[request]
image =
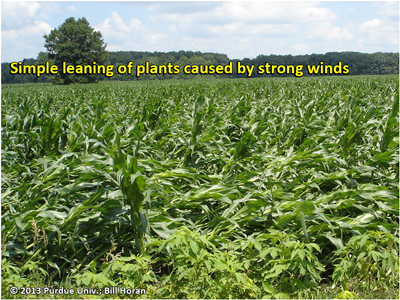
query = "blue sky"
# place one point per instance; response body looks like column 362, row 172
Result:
column 237, row 28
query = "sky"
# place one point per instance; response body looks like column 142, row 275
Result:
column 237, row 28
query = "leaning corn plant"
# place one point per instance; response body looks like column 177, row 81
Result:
column 132, row 184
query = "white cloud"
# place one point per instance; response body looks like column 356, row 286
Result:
column 114, row 48
column 389, row 8
column 370, row 25
column 243, row 25
column 251, row 11
column 23, row 27
column 234, row 26
column 181, row 7
column 243, row 29
column 300, row 48
column 326, row 31
column 16, row 14
column 38, row 28
column 132, row 36
column 72, row 8
column 172, row 29
column 380, row 31
column 26, row 41
column 360, row 42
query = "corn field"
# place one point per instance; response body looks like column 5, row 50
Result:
column 253, row 188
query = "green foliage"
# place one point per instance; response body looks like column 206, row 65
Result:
column 347, row 295
column 196, row 264
column 371, row 257
column 131, row 272
column 132, row 184
column 287, row 263
column 275, row 188
column 75, row 43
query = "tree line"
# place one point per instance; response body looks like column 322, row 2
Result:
column 76, row 43
column 359, row 64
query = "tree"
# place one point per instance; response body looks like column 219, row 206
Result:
column 75, row 43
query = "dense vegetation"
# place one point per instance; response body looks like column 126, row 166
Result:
column 359, row 64
column 242, row 188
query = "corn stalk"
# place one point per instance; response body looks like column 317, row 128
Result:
column 132, row 184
